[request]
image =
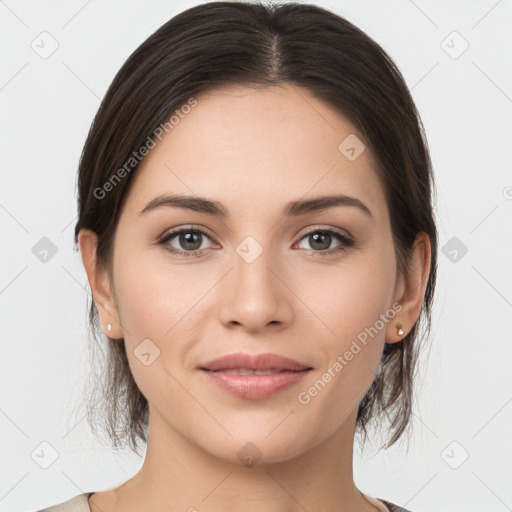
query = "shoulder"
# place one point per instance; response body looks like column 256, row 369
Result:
column 79, row 503
column 392, row 507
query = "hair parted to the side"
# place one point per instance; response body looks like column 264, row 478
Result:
column 250, row 44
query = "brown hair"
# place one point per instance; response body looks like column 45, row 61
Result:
column 250, row 44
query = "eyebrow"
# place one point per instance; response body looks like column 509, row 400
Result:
column 291, row 209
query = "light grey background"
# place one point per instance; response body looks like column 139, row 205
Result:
column 465, row 101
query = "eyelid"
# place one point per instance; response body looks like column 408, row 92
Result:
column 339, row 231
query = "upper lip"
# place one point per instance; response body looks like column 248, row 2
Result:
column 254, row 362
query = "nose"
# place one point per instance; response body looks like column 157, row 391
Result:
column 255, row 295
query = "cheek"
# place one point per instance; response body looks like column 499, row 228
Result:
column 154, row 295
column 348, row 299
column 352, row 302
column 155, row 309
column 163, row 303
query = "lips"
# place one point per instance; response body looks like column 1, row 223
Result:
column 255, row 363
column 254, row 377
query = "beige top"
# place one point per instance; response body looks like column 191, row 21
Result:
column 80, row 503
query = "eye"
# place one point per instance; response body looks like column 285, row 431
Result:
column 189, row 241
column 320, row 240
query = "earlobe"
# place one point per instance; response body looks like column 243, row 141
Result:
column 100, row 285
column 412, row 290
column 395, row 331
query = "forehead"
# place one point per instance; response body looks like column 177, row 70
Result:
column 246, row 147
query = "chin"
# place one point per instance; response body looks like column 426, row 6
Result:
column 256, row 450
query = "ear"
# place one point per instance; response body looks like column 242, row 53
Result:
column 100, row 285
column 410, row 292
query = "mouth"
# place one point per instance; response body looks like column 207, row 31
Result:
column 248, row 371
column 255, row 384
column 254, row 377
column 270, row 363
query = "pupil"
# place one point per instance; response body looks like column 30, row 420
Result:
column 187, row 240
column 322, row 237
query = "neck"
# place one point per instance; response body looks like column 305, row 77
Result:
column 178, row 475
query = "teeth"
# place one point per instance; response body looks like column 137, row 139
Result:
column 246, row 371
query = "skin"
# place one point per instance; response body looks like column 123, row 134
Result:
column 252, row 150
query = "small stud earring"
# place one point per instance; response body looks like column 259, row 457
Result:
column 400, row 330
column 109, row 327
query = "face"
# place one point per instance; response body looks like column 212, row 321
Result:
column 314, row 285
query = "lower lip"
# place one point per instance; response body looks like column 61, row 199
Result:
column 255, row 387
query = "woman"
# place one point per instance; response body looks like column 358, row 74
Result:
column 256, row 225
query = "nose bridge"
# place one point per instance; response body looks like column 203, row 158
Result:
column 256, row 297
column 251, row 265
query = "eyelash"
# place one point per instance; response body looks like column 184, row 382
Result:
column 345, row 242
